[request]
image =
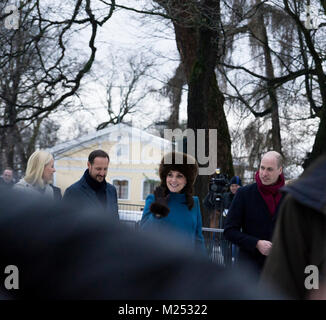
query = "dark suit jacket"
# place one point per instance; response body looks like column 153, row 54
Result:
column 248, row 221
column 81, row 192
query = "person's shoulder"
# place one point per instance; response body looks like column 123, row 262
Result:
column 248, row 188
column 110, row 186
column 21, row 184
column 75, row 186
column 150, row 197
column 54, row 187
column 25, row 187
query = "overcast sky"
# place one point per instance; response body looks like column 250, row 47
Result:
column 124, row 35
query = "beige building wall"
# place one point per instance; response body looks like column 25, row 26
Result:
column 130, row 159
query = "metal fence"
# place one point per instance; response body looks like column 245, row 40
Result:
column 130, row 214
column 219, row 250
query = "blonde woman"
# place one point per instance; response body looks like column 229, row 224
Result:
column 39, row 176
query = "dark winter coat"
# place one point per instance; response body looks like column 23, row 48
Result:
column 248, row 221
column 5, row 184
column 300, row 234
column 56, row 193
column 81, row 192
column 227, row 199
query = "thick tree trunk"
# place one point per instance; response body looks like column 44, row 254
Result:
column 205, row 109
column 175, row 86
column 198, row 47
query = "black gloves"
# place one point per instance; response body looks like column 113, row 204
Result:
column 160, row 208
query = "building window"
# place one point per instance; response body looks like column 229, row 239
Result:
column 122, row 150
column 122, row 187
column 148, row 187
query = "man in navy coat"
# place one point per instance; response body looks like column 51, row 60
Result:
column 251, row 218
column 92, row 190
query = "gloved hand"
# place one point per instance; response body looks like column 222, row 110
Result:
column 159, row 207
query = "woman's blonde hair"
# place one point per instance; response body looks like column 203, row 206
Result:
column 35, row 167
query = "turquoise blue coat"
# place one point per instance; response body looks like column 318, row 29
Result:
column 180, row 219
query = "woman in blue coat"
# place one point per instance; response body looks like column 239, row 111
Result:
column 173, row 206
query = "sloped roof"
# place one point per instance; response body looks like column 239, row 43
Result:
column 104, row 134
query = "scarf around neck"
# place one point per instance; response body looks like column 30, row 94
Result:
column 95, row 185
column 271, row 193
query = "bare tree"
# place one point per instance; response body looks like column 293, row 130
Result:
column 39, row 67
column 290, row 55
column 131, row 91
column 314, row 46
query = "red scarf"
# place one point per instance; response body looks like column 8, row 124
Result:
column 270, row 194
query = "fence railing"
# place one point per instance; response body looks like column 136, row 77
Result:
column 130, row 214
column 219, row 249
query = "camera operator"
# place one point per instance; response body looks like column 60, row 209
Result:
column 216, row 200
column 235, row 184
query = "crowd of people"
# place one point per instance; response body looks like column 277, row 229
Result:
column 279, row 231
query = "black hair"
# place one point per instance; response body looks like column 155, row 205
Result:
column 97, row 153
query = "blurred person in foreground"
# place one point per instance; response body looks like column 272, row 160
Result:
column 38, row 177
column 63, row 252
column 297, row 262
column 173, row 206
column 251, row 218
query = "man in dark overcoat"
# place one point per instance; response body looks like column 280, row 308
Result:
column 92, row 190
column 251, row 218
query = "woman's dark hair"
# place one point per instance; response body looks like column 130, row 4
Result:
column 184, row 163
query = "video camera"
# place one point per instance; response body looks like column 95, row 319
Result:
column 218, row 185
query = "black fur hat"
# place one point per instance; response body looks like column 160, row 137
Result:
column 178, row 161
column 175, row 161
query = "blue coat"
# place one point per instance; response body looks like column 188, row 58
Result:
column 81, row 193
column 180, row 219
column 248, row 221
